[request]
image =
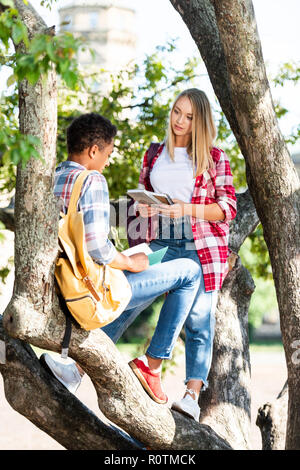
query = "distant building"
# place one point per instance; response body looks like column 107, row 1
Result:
column 107, row 25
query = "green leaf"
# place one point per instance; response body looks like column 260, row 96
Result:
column 33, row 76
column 70, row 78
column 11, row 80
column 7, row 3
column 19, row 32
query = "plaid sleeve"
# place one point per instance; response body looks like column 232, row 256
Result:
column 94, row 203
column 225, row 192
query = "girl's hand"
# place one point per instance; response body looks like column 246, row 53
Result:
column 146, row 211
column 174, row 211
column 138, row 262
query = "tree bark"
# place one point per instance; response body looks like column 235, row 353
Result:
column 226, row 404
column 49, row 405
column 120, row 396
column 272, row 420
column 33, row 314
column 34, row 199
column 200, row 19
column 128, row 406
column 271, row 175
column 277, row 197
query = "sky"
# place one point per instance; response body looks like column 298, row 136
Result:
column 278, row 26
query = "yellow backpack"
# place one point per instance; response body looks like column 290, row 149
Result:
column 94, row 294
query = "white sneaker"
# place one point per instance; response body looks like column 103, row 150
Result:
column 187, row 406
column 67, row 374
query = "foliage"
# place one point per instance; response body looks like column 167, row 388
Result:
column 136, row 99
column 289, row 71
column 32, row 59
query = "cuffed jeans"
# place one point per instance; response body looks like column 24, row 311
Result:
column 178, row 277
column 198, row 316
column 200, row 322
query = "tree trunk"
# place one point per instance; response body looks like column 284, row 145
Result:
column 49, row 405
column 34, row 199
column 272, row 419
column 33, row 314
column 128, row 406
column 226, row 404
column 271, row 175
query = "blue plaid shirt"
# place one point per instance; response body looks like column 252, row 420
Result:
column 93, row 203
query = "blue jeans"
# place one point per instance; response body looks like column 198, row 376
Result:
column 199, row 320
column 180, row 278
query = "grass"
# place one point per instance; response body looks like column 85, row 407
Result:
column 266, row 346
column 137, row 347
column 129, row 349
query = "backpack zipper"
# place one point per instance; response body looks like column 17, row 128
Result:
column 80, row 298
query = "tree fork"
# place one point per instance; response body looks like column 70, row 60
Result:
column 277, row 198
column 49, row 405
column 121, row 398
column 34, row 315
column 236, row 68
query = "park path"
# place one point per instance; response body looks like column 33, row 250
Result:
column 268, row 377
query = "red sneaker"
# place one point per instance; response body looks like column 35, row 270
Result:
column 149, row 380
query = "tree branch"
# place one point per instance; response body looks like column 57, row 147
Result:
column 272, row 177
column 226, row 404
column 32, row 20
column 245, row 222
column 50, row 406
column 199, row 16
column 121, row 398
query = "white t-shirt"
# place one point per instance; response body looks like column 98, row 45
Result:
column 174, row 178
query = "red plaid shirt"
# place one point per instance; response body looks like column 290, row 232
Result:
column 211, row 238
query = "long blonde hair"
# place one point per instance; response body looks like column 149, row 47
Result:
column 203, row 131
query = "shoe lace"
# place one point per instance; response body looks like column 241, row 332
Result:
column 192, row 392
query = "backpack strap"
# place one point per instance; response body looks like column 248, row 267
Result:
column 152, row 151
column 69, row 320
column 76, row 191
column 68, row 328
column 71, row 208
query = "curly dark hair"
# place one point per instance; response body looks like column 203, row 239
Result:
column 88, row 130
